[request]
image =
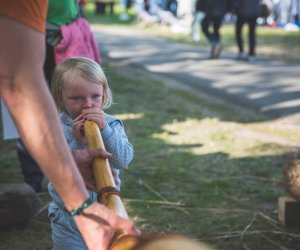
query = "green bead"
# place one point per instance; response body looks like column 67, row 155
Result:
column 79, row 210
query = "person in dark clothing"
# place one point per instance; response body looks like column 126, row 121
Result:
column 247, row 12
column 214, row 13
column 146, row 5
column 171, row 5
column 31, row 171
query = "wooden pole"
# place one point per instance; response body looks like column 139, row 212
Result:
column 104, row 180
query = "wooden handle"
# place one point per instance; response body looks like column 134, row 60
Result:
column 102, row 171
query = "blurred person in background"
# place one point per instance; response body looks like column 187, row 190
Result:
column 197, row 20
column 247, row 12
column 170, row 5
column 296, row 11
column 82, row 4
column 214, row 11
column 126, row 4
column 283, row 10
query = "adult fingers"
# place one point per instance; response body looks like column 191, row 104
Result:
column 100, row 153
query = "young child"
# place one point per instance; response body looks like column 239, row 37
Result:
column 81, row 92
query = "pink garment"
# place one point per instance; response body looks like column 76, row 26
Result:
column 77, row 41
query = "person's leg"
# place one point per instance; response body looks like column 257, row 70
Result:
column 196, row 26
column 33, row 176
column 173, row 7
column 239, row 38
column 238, row 34
column 217, row 21
column 216, row 38
column 49, row 64
column 252, row 36
column 205, row 27
column 128, row 4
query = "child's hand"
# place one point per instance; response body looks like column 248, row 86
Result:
column 77, row 129
column 96, row 115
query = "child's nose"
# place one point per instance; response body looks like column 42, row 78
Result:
column 87, row 103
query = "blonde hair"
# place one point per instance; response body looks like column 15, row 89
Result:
column 86, row 68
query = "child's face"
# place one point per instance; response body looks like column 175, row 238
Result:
column 81, row 94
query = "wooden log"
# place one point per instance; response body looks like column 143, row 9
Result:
column 288, row 211
column 291, row 172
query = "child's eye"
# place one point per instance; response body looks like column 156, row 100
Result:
column 76, row 98
column 96, row 96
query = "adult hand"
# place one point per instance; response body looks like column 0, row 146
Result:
column 97, row 225
column 83, row 159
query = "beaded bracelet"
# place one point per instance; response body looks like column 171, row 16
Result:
column 79, row 210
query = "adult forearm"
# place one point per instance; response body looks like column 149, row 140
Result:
column 25, row 92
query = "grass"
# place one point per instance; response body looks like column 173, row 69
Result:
column 193, row 173
column 202, row 168
column 220, row 180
